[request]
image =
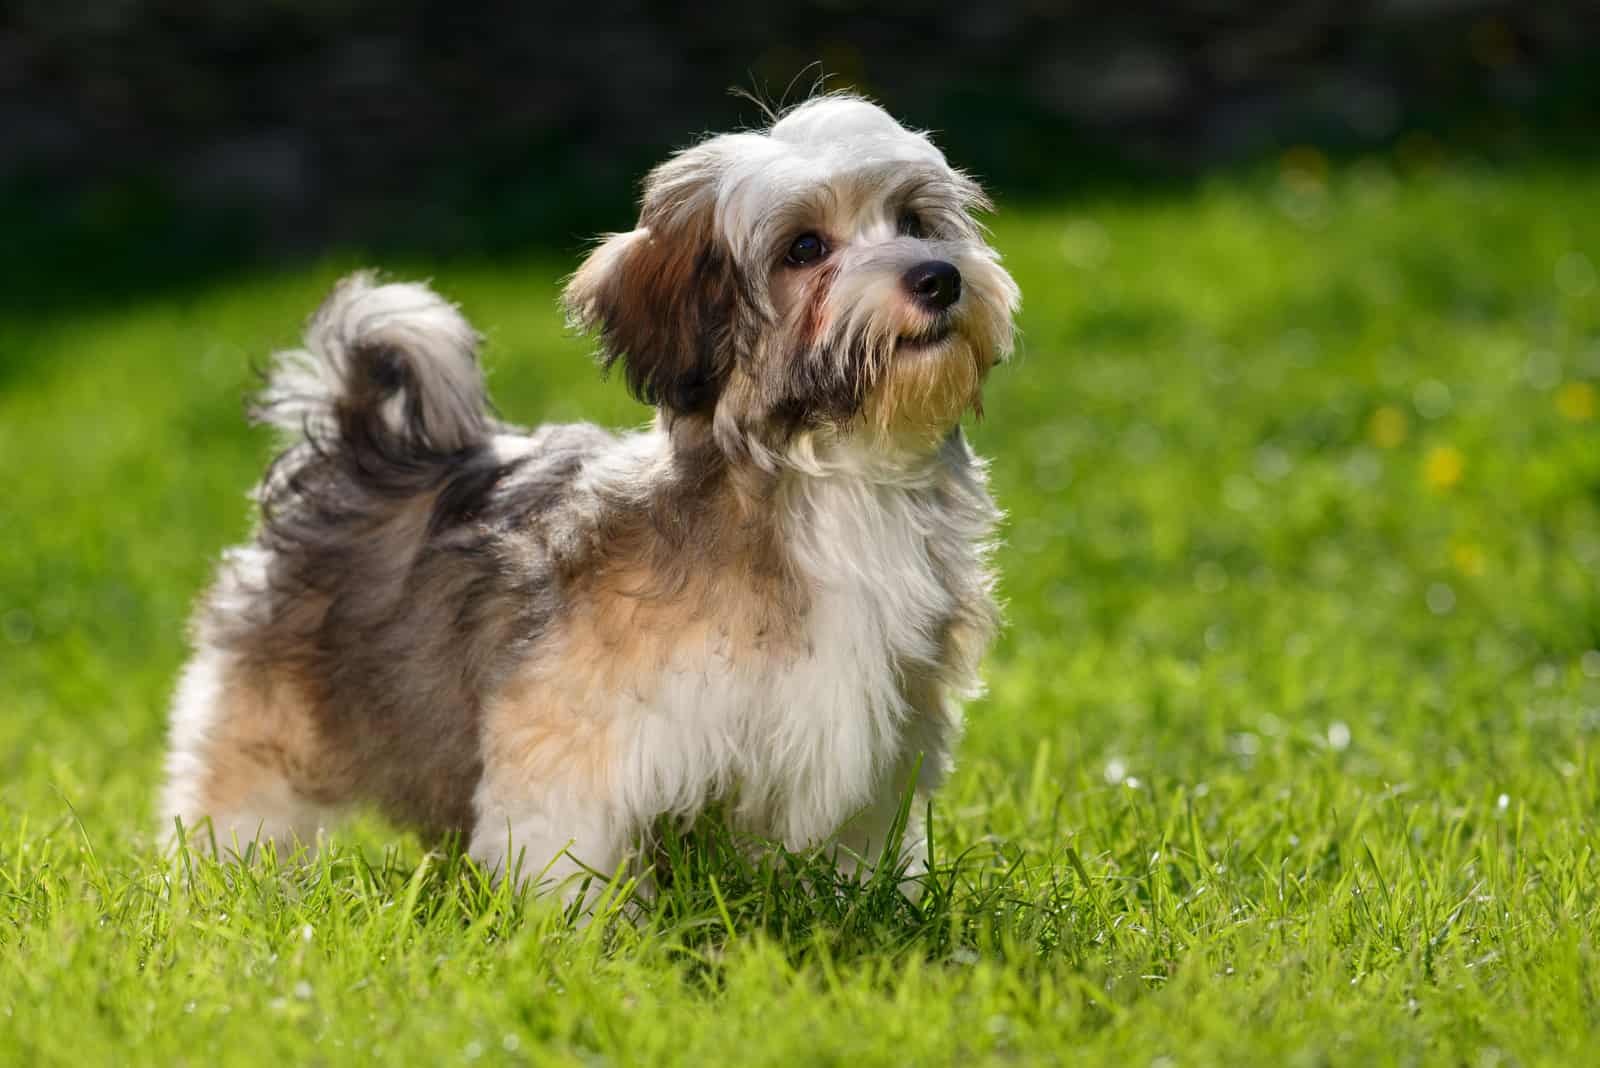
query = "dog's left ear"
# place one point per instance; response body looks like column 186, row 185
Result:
column 664, row 298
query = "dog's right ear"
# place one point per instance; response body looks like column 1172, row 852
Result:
column 664, row 298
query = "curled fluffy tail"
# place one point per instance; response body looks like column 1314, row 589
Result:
column 388, row 369
column 384, row 409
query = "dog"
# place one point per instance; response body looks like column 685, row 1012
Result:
column 772, row 600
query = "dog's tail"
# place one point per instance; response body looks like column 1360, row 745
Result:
column 389, row 372
column 384, row 409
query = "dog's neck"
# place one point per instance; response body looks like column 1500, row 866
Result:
column 765, row 509
column 857, row 454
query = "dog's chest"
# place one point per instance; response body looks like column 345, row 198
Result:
column 813, row 725
column 868, row 598
column 878, row 593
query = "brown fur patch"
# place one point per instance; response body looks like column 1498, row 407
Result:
column 546, row 726
column 264, row 758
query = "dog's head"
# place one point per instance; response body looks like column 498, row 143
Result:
column 824, row 276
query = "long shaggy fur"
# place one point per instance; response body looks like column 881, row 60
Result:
column 773, row 599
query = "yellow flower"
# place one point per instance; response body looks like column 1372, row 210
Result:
column 1388, row 427
column 1576, row 401
column 1443, row 466
column 1468, row 558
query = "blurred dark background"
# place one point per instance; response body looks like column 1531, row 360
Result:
column 148, row 141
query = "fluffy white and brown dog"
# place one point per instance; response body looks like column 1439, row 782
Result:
column 773, row 599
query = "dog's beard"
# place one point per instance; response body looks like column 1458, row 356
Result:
column 902, row 374
column 924, row 390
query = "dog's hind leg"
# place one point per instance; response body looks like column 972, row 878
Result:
column 245, row 764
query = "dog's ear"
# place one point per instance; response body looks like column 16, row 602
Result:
column 665, row 298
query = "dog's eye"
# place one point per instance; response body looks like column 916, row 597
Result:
column 911, row 225
column 807, row 248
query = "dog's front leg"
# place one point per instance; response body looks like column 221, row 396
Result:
column 549, row 834
column 920, row 769
column 865, row 841
column 544, row 812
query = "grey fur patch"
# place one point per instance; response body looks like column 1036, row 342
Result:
column 385, row 588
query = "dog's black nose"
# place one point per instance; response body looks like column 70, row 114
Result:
column 935, row 283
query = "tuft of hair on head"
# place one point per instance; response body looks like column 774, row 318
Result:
column 392, row 365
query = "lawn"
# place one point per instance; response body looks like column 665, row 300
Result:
column 1289, row 752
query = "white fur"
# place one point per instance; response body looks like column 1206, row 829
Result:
column 195, row 708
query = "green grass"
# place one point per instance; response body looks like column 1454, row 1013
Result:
column 1289, row 753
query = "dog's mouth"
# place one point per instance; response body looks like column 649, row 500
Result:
column 931, row 337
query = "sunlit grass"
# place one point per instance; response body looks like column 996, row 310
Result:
column 1288, row 755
